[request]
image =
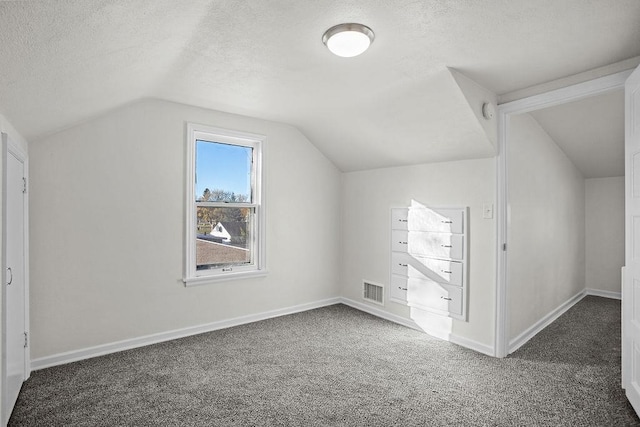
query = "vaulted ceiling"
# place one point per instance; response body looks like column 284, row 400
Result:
column 65, row 61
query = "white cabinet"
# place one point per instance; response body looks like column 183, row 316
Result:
column 398, row 291
column 440, row 270
column 429, row 259
column 426, row 243
column 442, row 220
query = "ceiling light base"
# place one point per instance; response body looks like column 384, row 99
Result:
column 348, row 40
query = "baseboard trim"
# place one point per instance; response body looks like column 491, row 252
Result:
column 101, row 350
column 521, row 339
column 472, row 345
column 604, row 294
column 380, row 313
column 104, row 349
column 456, row 339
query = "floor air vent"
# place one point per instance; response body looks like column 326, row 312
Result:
column 373, row 292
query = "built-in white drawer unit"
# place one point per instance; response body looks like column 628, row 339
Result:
column 424, row 243
column 398, row 291
column 426, row 219
column 431, row 295
column 444, row 271
column 429, row 259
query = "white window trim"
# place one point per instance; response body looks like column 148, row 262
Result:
column 192, row 276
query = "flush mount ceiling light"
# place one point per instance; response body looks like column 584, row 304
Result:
column 348, row 40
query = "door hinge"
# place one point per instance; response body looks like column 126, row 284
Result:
column 24, row 184
column 26, row 340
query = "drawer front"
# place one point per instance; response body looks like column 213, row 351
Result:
column 398, row 288
column 400, row 263
column 399, row 219
column 437, row 245
column 438, row 270
column 449, row 271
column 440, row 220
column 400, row 241
column 434, row 296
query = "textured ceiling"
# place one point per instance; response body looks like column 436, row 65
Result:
column 65, row 61
column 590, row 132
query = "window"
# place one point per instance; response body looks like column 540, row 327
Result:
column 225, row 210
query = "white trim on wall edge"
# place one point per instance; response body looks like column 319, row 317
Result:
column 604, row 294
column 104, row 349
column 472, row 345
column 532, row 331
column 521, row 339
column 380, row 313
column 456, row 339
column 101, row 350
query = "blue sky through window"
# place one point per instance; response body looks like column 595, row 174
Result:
column 224, row 167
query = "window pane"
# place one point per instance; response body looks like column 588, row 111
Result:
column 223, row 237
column 223, row 172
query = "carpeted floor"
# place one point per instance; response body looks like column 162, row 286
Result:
column 339, row 366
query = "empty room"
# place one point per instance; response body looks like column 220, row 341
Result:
column 336, row 213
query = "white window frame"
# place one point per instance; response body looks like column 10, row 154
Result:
column 192, row 276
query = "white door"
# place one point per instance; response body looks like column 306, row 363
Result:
column 15, row 274
column 631, row 285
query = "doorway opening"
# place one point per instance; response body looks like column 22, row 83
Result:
column 544, row 203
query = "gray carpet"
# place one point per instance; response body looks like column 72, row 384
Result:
column 339, row 366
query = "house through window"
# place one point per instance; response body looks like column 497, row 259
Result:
column 225, row 209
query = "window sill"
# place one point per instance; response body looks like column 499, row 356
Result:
column 204, row 280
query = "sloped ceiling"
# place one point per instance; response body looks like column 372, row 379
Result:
column 64, row 61
column 590, row 132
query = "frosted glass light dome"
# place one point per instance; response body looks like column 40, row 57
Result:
column 348, row 40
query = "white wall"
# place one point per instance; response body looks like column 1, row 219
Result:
column 107, row 221
column 604, row 225
column 367, row 197
column 546, row 230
